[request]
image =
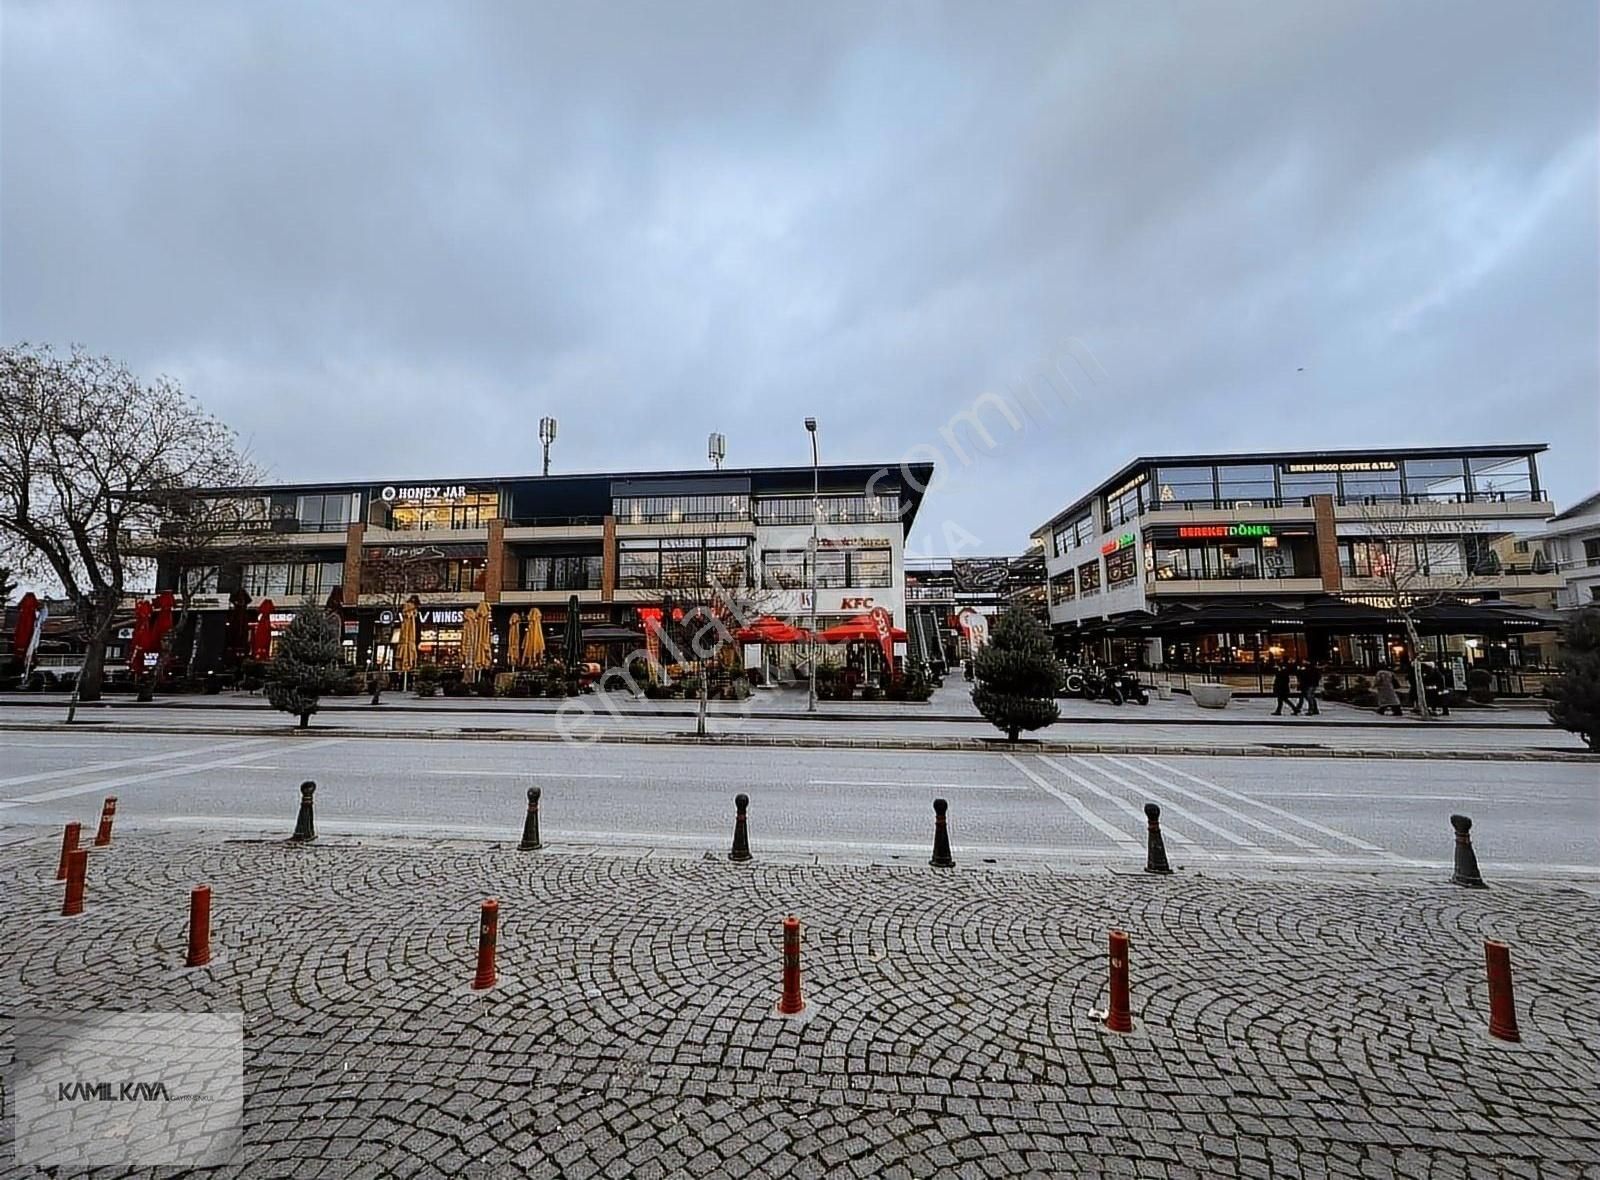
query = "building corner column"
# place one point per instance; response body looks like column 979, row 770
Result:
column 495, row 564
column 1327, row 544
column 352, row 562
column 608, row 561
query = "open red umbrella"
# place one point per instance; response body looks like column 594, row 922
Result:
column 862, row 627
column 27, row 615
column 261, row 637
column 771, row 629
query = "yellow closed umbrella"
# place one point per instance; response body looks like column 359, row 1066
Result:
column 405, row 651
column 485, row 636
column 469, row 641
column 533, row 644
column 514, row 640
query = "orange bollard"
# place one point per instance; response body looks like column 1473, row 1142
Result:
column 102, row 836
column 488, row 925
column 199, row 927
column 69, row 845
column 791, row 1001
column 77, row 866
column 1119, row 1018
column 1502, row 1006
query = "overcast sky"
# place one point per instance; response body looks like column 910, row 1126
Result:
column 382, row 240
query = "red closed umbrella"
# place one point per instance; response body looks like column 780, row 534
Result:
column 142, row 636
column 162, row 622
column 27, row 616
column 261, row 637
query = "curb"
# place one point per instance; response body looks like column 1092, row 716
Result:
column 1118, row 718
column 781, row 741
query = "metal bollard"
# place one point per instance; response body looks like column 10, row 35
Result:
column 305, row 828
column 530, row 826
column 1119, row 1017
column 1502, row 1005
column 488, row 929
column 108, row 812
column 741, row 834
column 77, row 868
column 199, row 927
column 69, row 845
column 1155, row 858
column 1466, row 867
column 941, row 837
column 791, row 1001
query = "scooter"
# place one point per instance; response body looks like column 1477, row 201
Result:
column 1100, row 682
column 1129, row 687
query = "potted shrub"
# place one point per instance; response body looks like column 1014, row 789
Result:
column 1480, row 686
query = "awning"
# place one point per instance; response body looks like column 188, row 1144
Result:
column 862, row 627
column 771, row 629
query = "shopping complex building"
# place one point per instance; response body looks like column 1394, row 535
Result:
column 1243, row 559
column 619, row 544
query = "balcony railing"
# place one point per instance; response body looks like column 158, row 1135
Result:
column 1211, row 503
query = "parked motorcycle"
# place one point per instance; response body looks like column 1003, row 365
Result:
column 1071, row 681
column 1115, row 685
column 1130, row 688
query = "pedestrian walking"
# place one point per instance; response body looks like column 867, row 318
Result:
column 1447, row 685
column 1310, row 677
column 1383, row 684
column 1280, row 689
column 1433, row 682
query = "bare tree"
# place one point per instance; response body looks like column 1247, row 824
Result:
column 715, row 607
column 1418, row 562
column 89, row 456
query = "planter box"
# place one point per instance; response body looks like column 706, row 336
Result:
column 1211, row 696
column 1164, row 692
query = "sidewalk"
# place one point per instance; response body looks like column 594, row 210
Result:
column 1286, row 1025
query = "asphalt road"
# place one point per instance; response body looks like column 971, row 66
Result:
column 871, row 805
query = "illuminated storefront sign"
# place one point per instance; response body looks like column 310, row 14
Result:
column 427, row 617
column 1121, row 542
column 1325, row 468
column 1202, row 531
column 412, row 493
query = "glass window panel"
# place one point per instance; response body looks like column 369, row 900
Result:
column 831, row 571
column 1441, row 480
column 1247, row 482
column 1089, row 577
column 1502, row 478
column 870, row 567
column 309, row 510
column 1184, row 485
column 1297, row 487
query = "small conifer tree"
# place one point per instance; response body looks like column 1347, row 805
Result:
column 308, row 663
column 1017, row 675
column 1575, row 698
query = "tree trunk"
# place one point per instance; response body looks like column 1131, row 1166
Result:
column 1011, row 735
column 305, row 720
column 92, row 674
column 1418, row 689
column 705, row 690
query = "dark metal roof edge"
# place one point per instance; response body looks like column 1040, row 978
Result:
column 1127, row 471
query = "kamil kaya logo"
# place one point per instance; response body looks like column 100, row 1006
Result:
column 112, row 1092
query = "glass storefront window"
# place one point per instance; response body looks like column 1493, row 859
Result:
column 1124, row 506
column 860, row 566
column 1253, row 483
column 286, row 580
column 1502, row 478
column 682, row 562
column 1063, row 587
column 881, row 508
column 570, row 572
column 1122, row 566
column 1436, row 480
column 472, row 511
column 1364, row 487
column 1298, row 487
column 681, row 509
column 324, row 513
column 1089, row 578
column 1184, row 485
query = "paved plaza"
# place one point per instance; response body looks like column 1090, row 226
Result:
column 1290, row 1023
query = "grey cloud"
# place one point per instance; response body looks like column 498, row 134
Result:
column 385, row 239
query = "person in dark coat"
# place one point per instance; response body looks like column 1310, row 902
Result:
column 1388, row 698
column 1309, row 676
column 1280, row 689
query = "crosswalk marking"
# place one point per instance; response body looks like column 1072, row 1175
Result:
column 118, row 764
column 98, row 785
column 1116, row 835
column 1248, row 821
column 1174, row 808
column 1322, row 829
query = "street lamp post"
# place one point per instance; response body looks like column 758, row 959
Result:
column 816, row 511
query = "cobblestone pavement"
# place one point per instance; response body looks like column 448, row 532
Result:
column 1292, row 1025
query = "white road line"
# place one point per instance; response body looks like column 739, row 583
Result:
column 96, row 767
column 1116, row 835
column 855, row 782
column 1376, row 798
column 151, row 776
column 1288, row 837
column 470, row 773
column 1268, row 807
column 1176, row 809
column 1136, row 812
